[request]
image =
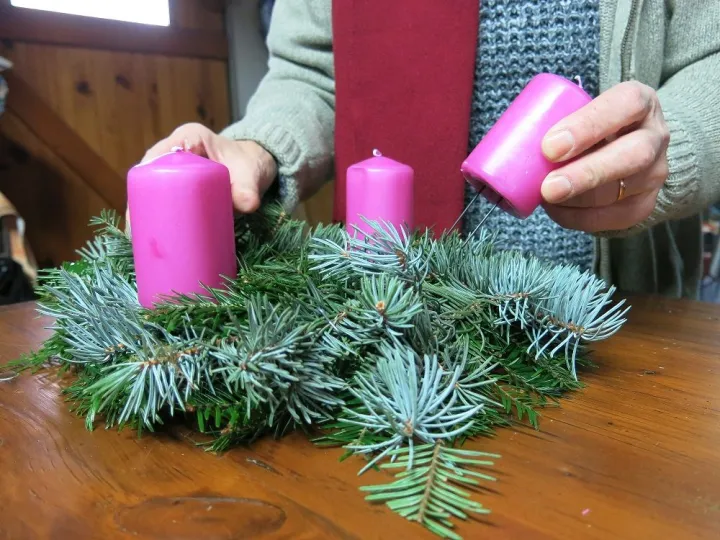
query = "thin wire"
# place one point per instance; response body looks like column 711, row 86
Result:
column 467, row 207
column 483, row 220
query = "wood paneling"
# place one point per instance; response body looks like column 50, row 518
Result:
column 198, row 14
column 113, row 104
column 55, row 201
column 197, row 34
column 122, row 103
column 319, row 207
column 66, row 144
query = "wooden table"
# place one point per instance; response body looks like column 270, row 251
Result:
column 635, row 455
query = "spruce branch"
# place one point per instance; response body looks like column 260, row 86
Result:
column 396, row 345
column 432, row 486
column 477, row 378
column 517, row 282
column 577, row 309
column 405, row 403
column 385, row 303
column 270, row 362
column 259, row 363
column 112, row 245
column 138, row 390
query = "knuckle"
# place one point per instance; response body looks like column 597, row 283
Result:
column 190, row 127
column 646, row 208
column 664, row 136
column 645, row 155
column 638, row 97
column 590, row 176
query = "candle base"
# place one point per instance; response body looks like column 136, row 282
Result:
column 485, row 189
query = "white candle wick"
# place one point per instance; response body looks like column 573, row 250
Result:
column 579, row 80
column 376, row 153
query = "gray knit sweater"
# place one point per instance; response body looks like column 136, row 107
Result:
column 671, row 46
column 517, row 40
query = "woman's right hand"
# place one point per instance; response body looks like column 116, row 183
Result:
column 252, row 168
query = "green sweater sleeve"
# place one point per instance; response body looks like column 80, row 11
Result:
column 690, row 100
column 292, row 113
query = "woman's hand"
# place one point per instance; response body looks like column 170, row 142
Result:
column 621, row 139
column 252, row 168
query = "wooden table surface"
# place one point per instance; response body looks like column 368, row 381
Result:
column 634, row 455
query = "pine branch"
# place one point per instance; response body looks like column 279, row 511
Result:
column 431, row 488
column 405, row 403
column 578, row 309
column 397, row 346
column 384, row 304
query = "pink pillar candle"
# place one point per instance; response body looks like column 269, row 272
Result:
column 379, row 189
column 508, row 166
column 182, row 226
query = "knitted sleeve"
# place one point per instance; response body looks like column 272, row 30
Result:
column 690, row 101
column 292, row 113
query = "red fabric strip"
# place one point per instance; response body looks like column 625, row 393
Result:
column 404, row 75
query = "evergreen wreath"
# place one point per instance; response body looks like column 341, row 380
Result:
column 396, row 347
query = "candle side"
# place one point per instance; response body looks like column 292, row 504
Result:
column 379, row 189
column 508, row 165
column 182, row 226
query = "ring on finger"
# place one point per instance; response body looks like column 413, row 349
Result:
column 621, row 191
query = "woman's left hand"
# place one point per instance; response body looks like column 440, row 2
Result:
column 622, row 139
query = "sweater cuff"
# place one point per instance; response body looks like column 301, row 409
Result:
column 681, row 186
column 281, row 145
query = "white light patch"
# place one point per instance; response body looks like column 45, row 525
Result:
column 154, row 12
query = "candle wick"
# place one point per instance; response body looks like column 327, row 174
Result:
column 377, row 153
column 579, row 80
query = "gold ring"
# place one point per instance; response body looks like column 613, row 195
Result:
column 621, row 191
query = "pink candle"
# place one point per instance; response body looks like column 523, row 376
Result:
column 508, row 165
column 181, row 218
column 379, row 189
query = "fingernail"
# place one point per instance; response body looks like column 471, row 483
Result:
column 556, row 189
column 556, row 145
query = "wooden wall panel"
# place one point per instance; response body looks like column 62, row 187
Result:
column 122, row 103
column 197, row 14
column 55, row 202
column 57, row 135
column 118, row 103
column 319, row 207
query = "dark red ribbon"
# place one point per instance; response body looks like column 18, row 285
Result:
column 404, row 75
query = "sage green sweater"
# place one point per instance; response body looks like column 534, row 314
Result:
column 670, row 45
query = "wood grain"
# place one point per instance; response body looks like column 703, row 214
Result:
column 120, row 104
column 634, row 455
column 84, row 118
column 64, row 142
column 198, row 14
column 319, row 207
column 54, row 200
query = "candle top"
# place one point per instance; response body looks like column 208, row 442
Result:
column 381, row 163
column 178, row 159
column 553, row 80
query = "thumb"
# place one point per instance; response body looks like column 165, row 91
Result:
column 251, row 172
